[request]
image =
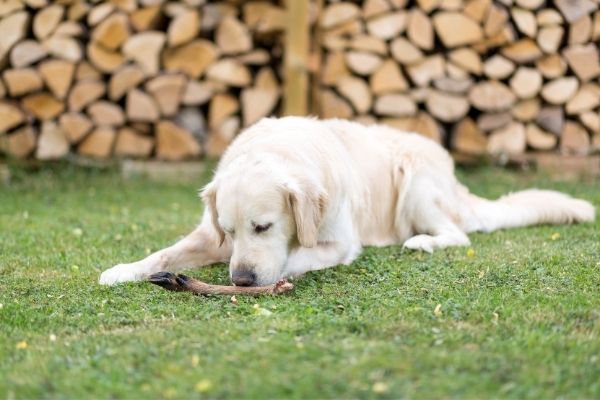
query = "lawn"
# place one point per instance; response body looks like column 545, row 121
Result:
column 515, row 316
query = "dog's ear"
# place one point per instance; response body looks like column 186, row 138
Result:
column 209, row 196
column 307, row 202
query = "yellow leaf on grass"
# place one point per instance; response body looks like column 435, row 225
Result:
column 380, row 387
column 555, row 236
column 203, row 386
column 22, row 345
column 438, row 310
column 470, row 252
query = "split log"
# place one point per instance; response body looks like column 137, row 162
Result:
column 104, row 60
column 491, row 96
column 10, row 117
column 197, row 93
column 395, row 105
column 112, row 32
column 333, row 106
column 87, row 72
column 221, row 107
column 387, row 26
column 99, row 143
column 52, row 143
column 75, row 126
column 13, row 29
column 84, row 93
column 167, row 91
column 362, row 63
column 58, row 76
column 372, row 8
column 182, row 283
column 98, row 13
column 580, row 30
column 145, row 19
column 369, row 44
column 230, row 72
column 265, row 79
column 232, row 37
column 510, row 140
column 583, row 60
column 255, row 57
column 468, row 59
column 106, row 113
column 43, row 106
column 468, row 139
column 587, row 98
column 388, row 78
column 338, row 13
column 591, row 120
column 446, row 107
column 419, row 29
column 140, row 106
column 525, row 21
column 560, row 90
column 522, row 51
column 551, row 119
column 356, row 91
column 526, row 82
column 78, row 10
column 549, row 17
column 257, row 103
column 335, row 68
column 526, row 110
column 124, row 79
column 455, row 29
column 574, row 139
column 222, row 136
column 549, row 38
column 22, row 81
column 145, row 48
column 477, row 10
column 429, row 69
column 530, row 4
column 19, row 144
column 498, row 67
column 63, row 47
column 496, row 20
column 551, row 66
column 426, row 126
column 456, row 86
column 405, row 52
column 26, row 53
column 493, row 121
column 192, row 59
column 174, row 143
column 183, row 28
column 539, row 139
column 129, row 143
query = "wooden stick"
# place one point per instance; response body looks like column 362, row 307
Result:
column 182, row 283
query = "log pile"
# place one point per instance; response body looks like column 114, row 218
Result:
column 135, row 78
column 483, row 77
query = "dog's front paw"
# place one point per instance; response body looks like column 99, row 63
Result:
column 121, row 273
column 420, row 242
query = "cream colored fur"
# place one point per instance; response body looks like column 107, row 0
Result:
column 330, row 187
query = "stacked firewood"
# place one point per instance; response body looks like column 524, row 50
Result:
column 135, row 78
column 481, row 76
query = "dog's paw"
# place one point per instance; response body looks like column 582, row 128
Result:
column 121, row 273
column 420, row 242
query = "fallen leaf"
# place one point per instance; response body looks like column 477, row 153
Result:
column 195, row 360
column 203, row 386
column 52, row 337
column 234, row 300
column 438, row 310
column 471, row 252
column 77, row 231
column 555, row 236
column 22, row 345
column 380, row 387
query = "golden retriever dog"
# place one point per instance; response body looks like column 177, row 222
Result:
column 294, row 194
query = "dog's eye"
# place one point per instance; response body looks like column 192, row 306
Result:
column 262, row 228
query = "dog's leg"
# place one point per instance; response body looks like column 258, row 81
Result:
column 199, row 248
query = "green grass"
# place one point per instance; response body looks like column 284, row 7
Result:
column 519, row 319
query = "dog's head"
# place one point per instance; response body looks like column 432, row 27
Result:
column 264, row 211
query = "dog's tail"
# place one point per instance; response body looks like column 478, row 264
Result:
column 528, row 207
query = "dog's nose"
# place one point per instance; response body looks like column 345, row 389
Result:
column 243, row 278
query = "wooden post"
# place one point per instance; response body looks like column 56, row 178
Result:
column 296, row 58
